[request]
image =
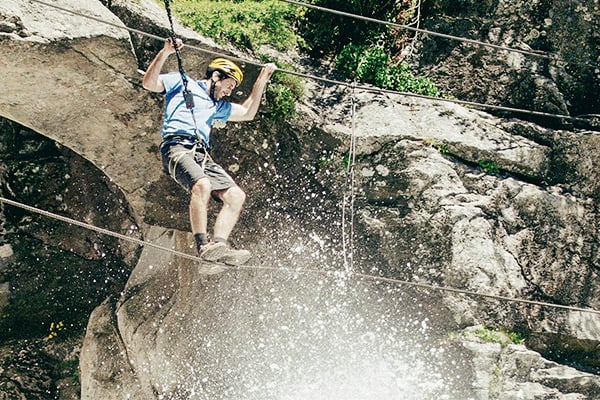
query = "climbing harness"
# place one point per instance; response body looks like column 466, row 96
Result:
column 222, row 65
column 176, row 158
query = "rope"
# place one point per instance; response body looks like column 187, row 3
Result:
column 365, row 88
column 416, row 22
column 188, row 96
column 352, row 175
column 179, row 61
column 376, row 279
column 348, row 238
column 176, row 158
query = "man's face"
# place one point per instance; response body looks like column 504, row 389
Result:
column 224, row 87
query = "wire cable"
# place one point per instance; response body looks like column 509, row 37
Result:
column 366, row 88
column 376, row 279
column 438, row 34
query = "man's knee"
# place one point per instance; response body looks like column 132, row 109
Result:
column 202, row 188
column 234, row 196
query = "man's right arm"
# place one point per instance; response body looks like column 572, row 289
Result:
column 152, row 80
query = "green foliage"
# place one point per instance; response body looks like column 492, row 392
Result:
column 372, row 65
column 70, row 368
column 283, row 93
column 489, row 166
column 326, row 161
column 328, row 33
column 441, row 147
column 252, row 23
column 282, row 101
column 500, row 336
column 347, row 161
column 246, row 24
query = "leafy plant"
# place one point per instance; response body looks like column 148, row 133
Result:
column 70, row 367
column 500, row 336
column 246, row 24
column 328, row 33
column 283, row 93
column 325, row 161
column 282, row 101
column 441, row 147
column 250, row 24
column 489, row 166
column 373, row 65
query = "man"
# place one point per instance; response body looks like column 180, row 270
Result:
column 185, row 141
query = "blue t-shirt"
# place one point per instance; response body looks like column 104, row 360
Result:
column 178, row 118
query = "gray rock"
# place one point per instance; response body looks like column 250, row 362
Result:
column 564, row 33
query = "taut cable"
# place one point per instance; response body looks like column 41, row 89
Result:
column 376, row 279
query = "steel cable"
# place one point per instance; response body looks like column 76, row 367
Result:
column 376, row 279
column 366, row 88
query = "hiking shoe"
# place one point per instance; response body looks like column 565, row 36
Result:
column 211, row 268
column 235, row 257
column 212, row 251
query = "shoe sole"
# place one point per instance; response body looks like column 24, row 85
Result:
column 211, row 269
column 214, row 253
column 235, row 260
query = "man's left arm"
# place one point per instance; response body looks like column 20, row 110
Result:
column 248, row 109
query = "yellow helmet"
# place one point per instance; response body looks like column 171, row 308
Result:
column 226, row 67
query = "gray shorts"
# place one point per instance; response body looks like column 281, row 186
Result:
column 187, row 164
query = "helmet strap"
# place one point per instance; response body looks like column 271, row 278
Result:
column 212, row 85
column 212, row 90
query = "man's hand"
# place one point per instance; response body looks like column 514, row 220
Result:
column 168, row 48
column 248, row 109
column 152, row 79
column 267, row 71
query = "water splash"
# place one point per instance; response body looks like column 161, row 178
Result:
column 298, row 337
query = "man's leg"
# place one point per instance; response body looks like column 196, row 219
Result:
column 233, row 200
column 200, row 195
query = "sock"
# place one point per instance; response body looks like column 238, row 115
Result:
column 201, row 240
column 220, row 240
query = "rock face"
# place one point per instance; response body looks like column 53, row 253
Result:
column 482, row 232
column 53, row 274
column 561, row 82
column 439, row 194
